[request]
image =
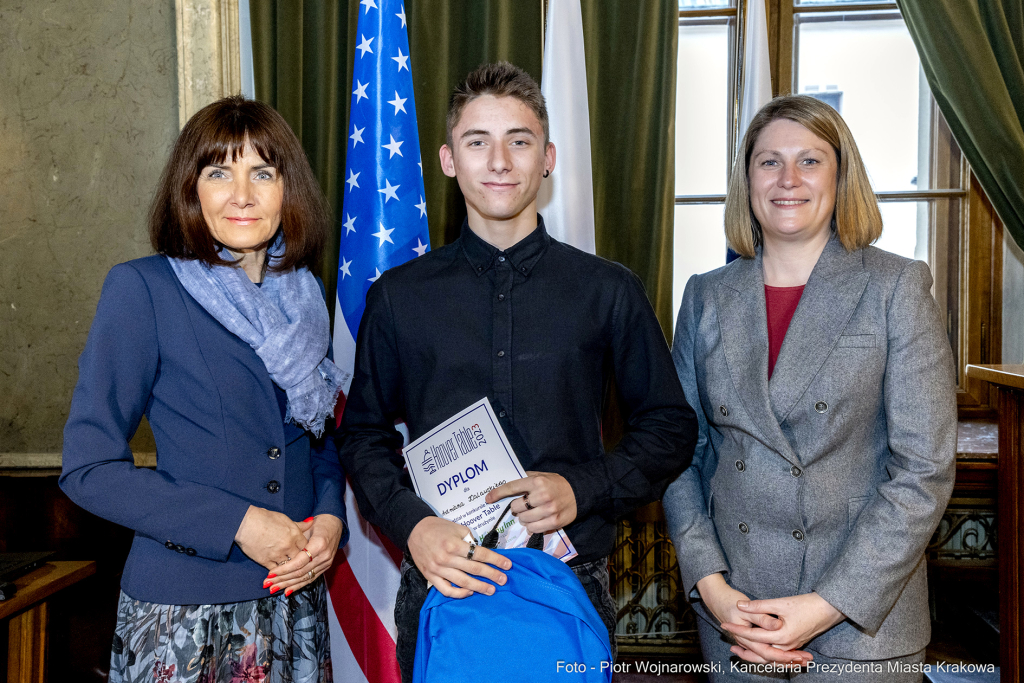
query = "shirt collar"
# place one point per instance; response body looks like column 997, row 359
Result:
column 523, row 255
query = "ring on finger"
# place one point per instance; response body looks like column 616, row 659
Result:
column 526, row 501
column 310, row 575
column 472, row 549
column 308, row 554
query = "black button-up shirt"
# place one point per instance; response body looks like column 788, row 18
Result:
column 539, row 329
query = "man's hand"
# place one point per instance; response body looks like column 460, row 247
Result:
column 322, row 540
column 547, row 502
column 804, row 617
column 721, row 600
column 439, row 549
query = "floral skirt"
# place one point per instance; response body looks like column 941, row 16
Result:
column 276, row 639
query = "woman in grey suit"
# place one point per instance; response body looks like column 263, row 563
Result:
column 823, row 384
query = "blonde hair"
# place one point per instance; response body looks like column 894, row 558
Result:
column 856, row 218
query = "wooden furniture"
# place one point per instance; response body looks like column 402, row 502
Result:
column 1009, row 379
column 26, row 615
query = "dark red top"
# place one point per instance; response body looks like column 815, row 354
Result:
column 781, row 303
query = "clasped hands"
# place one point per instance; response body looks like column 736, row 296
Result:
column 294, row 552
column 440, row 548
column 768, row 630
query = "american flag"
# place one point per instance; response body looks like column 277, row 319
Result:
column 385, row 224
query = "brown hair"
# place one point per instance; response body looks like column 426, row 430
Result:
column 176, row 225
column 856, row 218
column 500, row 79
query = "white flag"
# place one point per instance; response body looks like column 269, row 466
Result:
column 566, row 198
column 757, row 77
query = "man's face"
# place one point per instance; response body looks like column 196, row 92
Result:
column 499, row 157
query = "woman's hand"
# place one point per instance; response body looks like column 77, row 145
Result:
column 312, row 560
column 803, row 618
column 721, row 600
column 270, row 538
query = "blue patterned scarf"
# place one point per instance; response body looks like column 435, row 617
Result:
column 284, row 321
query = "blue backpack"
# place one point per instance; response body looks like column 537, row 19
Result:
column 537, row 627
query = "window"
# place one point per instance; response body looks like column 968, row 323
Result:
column 859, row 58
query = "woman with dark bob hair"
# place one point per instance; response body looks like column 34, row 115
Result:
column 823, row 384
column 221, row 340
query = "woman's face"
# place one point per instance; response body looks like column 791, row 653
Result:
column 241, row 201
column 792, row 177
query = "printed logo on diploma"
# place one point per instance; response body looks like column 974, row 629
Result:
column 456, row 464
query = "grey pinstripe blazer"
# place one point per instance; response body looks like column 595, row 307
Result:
column 832, row 476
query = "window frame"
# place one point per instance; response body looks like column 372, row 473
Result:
column 966, row 262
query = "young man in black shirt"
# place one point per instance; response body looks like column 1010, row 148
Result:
column 539, row 328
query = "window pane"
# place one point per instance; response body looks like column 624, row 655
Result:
column 702, row 107
column 904, row 227
column 869, row 70
column 920, row 230
column 832, row 2
column 699, row 245
column 704, row 4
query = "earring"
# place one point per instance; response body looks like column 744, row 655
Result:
column 547, row 173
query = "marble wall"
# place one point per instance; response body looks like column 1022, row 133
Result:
column 88, row 111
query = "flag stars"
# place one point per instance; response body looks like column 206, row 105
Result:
column 420, row 248
column 357, row 135
column 394, row 147
column 384, row 235
column 364, row 46
column 401, row 15
column 344, row 269
column 398, row 103
column 375, row 277
column 353, row 180
column 350, row 224
column 368, row 4
column 360, row 91
column 422, row 206
column 403, row 60
column 389, row 191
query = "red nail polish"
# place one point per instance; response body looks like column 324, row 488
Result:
column 308, row 519
column 271, row 576
column 288, row 592
column 266, row 583
column 274, row 589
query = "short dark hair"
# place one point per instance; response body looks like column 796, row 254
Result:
column 500, row 79
column 176, row 225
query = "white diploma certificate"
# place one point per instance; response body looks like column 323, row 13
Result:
column 454, row 465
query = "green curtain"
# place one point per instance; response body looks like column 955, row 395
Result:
column 303, row 52
column 631, row 85
column 972, row 52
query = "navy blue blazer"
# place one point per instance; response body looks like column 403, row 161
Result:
column 222, row 443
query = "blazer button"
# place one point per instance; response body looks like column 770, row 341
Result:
column 273, row 452
column 724, row 411
column 179, row 548
column 191, row 552
column 169, row 545
column 744, row 528
column 821, row 406
column 798, row 535
column 795, row 471
column 740, row 465
column 273, row 486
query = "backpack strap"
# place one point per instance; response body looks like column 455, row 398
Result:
column 490, row 541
